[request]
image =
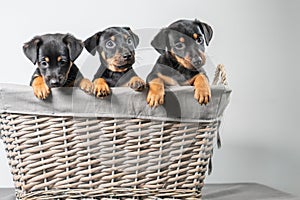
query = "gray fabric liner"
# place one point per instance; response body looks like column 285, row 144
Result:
column 179, row 105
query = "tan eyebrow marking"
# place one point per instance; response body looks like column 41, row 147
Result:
column 195, row 35
column 112, row 38
column 181, row 39
column 59, row 58
column 47, row 59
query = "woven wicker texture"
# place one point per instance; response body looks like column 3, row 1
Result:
column 113, row 157
column 65, row 157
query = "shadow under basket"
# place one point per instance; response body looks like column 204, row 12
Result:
column 74, row 146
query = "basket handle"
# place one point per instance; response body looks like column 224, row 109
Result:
column 220, row 71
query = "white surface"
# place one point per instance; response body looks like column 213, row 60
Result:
column 258, row 41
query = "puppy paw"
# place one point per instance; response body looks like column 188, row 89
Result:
column 86, row 85
column 101, row 88
column 40, row 89
column 155, row 99
column 202, row 90
column 156, row 93
column 136, row 83
column 202, row 95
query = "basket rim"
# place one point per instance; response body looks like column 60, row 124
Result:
column 123, row 103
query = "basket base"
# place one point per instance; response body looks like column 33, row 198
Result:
column 112, row 194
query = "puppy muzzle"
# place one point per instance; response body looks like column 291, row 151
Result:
column 55, row 81
column 197, row 62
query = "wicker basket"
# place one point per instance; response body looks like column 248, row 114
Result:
column 74, row 146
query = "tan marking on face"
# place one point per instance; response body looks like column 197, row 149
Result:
column 168, row 80
column 47, row 59
column 125, row 36
column 113, row 38
column 203, row 57
column 103, row 55
column 181, row 39
column 185, row 62
column 195, row 36
column 59, row 58
column 114, row 62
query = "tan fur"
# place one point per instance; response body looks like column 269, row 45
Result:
column 101, row 88
column 47, row 59
column 156, row 92
column 136, row 83
column 202, row 89
column 185, row 62
column 59, row 58
column 40, row 89
column 103, row 55
column 168, row 80
column 86, row 85
column 203, row 57
column 113, row 62
column 181, row 39
column 195, row 36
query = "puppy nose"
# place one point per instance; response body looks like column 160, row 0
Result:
column 54, row 82
column 196, row 61
column 126, row 56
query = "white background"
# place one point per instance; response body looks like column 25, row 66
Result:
column 257, row 40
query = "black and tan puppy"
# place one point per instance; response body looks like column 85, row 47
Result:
column 54, row 55
column 182, row 49
column 116, row 49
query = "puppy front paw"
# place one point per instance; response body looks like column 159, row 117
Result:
column 101, row 88
column 202, row 95
column 156, row 93
column 86, row 85
column 40, row 88
column 202, row 90
column 155, row 99
column 136, row 83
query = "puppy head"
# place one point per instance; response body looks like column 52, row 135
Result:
column 54, row 54
column 185, row 41
column 115, row 46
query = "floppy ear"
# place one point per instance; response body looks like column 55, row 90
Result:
column 160, row 41
column 206, row 30
column 136, row 39
column 74, row 45
column 92, row 42
column 30, row 48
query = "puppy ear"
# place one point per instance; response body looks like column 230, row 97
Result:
column 206, row 30
column 160, row 41
column 30, row 48
column 136, row 39
column 92, row 42
column 74, row 45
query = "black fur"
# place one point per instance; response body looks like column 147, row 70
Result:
column 121, row 45
column 45, row 50
column 167, row 43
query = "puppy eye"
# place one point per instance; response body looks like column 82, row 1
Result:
column 110, row 44
column 179, row 45
column 129, row 41
column 43, row 63
column 199, row 40
column 63, row 62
